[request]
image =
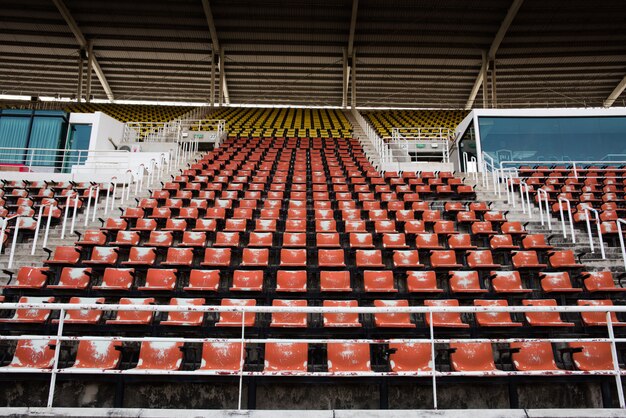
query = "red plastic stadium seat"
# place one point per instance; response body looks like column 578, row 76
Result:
column 185, row 318
column 331, row 258
column 30, row 278
column 133, row 317
column 193, row 239
column 294, row 240
column 600, row 281
column 182, row 257
column 410, row 357
column 141, row 256
column 160, row 239
column 544, row 319
column 335, row 281
column 526, row 260
column 126, row 238
column 92, row 237
column 161, row 355
column 444, row 319
column 226, row 239
column 557, row 282
column 260, row 239
column 294, row 257
column 361, row 240
column 422, row 282
column 33, row 354
column 160, row 279
column 65, row 255
column 205, row 225
column 379, row 281
column 535, row 242
column 392, row 320
column 444, row 259
column 481, row 259
column 563, row 260
column 104, row 256
column 592, row 356
column 73, row 278
column 348, row 357
column 216, row 257
column 502, row 242
column 222, row 357
column 460, row 242
column 472, row 357
column 507, row 282
column 598, row 318
column 465, row 282
column 30, row 316
column 494, row 319
column 234, row 319
column 533, row 356
column 244, row 280
column 291, row 281
column 289, row 319
column 286, row 357
column 115, row 224
column 203, row 281
column 342, row 320
column 427, row 242
column 144, row 225
column 97, row 355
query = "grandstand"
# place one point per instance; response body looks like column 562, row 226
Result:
column 332, row 208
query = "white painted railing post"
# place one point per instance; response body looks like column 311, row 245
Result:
column 14, row 242
column 75, row 213
column 615, row 359
column 569, row 213
column 66, row 212
column 55, row 364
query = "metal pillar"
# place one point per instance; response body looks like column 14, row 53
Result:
column 222, row 78
column 485, row 69
column 212, row 93
column 353, row 68
column 344, row 83
column 494, row 96
column 90, row 58
column 79, row 89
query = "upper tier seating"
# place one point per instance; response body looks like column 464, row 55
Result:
column 285, row 123
column 384, row 121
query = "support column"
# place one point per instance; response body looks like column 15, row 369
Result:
column 90, row 58
column 494, row 96
column 212, row 93
column 353, row 68
column 79, row 89
column 221, row 77
column 485, row 69
column 344, row 80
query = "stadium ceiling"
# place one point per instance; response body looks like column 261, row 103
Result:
column 404, row 53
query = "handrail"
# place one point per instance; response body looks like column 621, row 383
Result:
column 5, row 223
column 14, row 240
column 50, row 205
column 546, row 200
column 64, row 307
column 569, row 212
column 621, row 238
column 588, row 208
column 524, row 187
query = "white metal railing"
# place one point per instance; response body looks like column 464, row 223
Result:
column 407, row 144
column 569, row 214
column 384, row 156
column 66, row 160
column 587, row 208
column 621, row 238
column 542, row 196
column 616, row 372
column 575, row 165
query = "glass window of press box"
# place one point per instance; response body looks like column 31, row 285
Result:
column 553, row 138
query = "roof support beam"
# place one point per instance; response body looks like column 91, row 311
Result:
column 616, row 93
column 216, row 50
column 82, row 41
column 493, row 49
column 355, row 7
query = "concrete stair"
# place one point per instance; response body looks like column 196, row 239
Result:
column 360, row 134
column 593, row 260
column 23, row 247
